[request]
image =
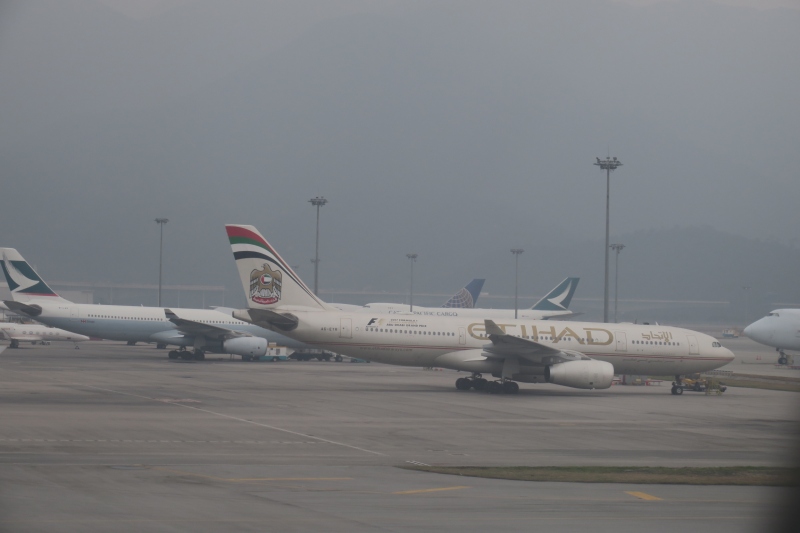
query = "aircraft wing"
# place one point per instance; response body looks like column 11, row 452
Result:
column 506, row 346
column 199, row 329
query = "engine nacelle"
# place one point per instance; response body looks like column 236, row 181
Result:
column 591, row 374
column 252, row 346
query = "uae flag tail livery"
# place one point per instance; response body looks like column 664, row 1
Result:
column 268, row 281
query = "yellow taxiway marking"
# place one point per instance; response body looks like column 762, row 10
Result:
column 420, row 491
column 246, row 479
column 642, row 495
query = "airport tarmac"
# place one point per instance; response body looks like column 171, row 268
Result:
column 117, row 437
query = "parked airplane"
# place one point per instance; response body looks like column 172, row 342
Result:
column 203, row 330
column 575, row 354
column 779, row 329
column 36, row 333
column 552, row 305
column 465, row 298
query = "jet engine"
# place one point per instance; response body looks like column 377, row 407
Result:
column 245, row 346
column 591, row 374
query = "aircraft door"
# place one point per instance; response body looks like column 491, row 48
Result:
column 622, row 341
column 693, row 347
column 462, row 336
column 346, row 328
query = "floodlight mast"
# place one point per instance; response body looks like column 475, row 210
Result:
column 607, row 164
column 413, row 259
column 318, row 202
column 160, row 222
column 617, row 248
column 516, row 252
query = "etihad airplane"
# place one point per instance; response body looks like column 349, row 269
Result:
column 201, row 330
column 553, row 305
column 465, row 298
column 779, row 329
column 36, row 334
column 584, row 355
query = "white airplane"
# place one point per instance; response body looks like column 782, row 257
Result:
column 202, row 330
column 583, row 355
column 36, row 333
column 466, row 297
column 554, row 304
column 779, row 329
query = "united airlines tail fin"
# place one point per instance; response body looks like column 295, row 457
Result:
column 23, row 282
column 559, row 298
column 269, row 282
column 467, row 296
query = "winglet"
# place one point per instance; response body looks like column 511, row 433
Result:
column 492, row 328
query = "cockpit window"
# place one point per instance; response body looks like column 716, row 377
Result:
column 716, row 345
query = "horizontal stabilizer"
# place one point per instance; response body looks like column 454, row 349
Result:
column 268, row 319
column 19, row 307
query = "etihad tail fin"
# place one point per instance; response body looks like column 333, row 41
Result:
column 559, row 298
column 467, row 296
column 23, row 282
column 268, row 281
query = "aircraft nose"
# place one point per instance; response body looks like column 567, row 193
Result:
column 729, row 355
column 754, row 331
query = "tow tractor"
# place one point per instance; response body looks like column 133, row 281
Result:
column 698, row 384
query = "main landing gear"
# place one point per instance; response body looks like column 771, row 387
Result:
column 493, row 387
column 14, row 344
column 677, row 386
column 186, row 355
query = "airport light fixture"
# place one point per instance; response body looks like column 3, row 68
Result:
column 617, row 248
column 608, row 164
column 413, row 258
column 318, row 202
column 516, row 252
column 746, row 290
column 160, row 222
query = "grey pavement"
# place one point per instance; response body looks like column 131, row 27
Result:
column 117, row 437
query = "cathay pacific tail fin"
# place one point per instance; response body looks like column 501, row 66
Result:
column 23, row 282
column 269, row 282
column 467, row 296
column 559, row 298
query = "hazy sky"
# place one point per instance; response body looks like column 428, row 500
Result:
column 455, row 129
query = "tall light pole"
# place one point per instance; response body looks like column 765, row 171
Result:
column 413, row 258
column 516, row 252
column 607, row 164
column 617, row 248
column 318, row 201
column 746, row 290
column 160, row 222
